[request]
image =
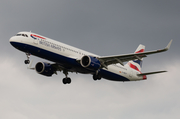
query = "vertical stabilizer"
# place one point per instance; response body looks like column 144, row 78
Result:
column 137, row 64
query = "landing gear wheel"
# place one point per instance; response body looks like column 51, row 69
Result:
column 69, row 80
column 66, row 80
column 28, row 56
column 26, row 61
column 97, row 77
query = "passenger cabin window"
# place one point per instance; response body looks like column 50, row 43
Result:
column 25, row 35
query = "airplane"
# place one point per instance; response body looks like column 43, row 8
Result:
column 66, row 58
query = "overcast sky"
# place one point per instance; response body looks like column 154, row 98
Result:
column 103, row 27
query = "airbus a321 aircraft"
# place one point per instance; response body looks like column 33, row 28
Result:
column 70, row 59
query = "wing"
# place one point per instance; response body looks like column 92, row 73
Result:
column 64, row 67
column 108, row 60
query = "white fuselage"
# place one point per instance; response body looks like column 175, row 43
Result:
column 62, row 53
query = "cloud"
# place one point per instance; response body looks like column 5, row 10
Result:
column 26, row 94
column 102, row 27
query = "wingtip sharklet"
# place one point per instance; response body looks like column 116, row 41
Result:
column 168, row 46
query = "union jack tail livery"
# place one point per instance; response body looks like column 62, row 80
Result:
column 137, row 64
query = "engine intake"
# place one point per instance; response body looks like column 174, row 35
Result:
column 44, row 69
column 90, row 62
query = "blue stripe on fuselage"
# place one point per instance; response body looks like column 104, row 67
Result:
column 66, row 62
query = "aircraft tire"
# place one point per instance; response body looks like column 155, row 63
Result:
column 99, row 77
column 95, row 77
column 66, row 80
column 26, row 61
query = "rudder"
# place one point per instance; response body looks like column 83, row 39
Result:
column 137, row 64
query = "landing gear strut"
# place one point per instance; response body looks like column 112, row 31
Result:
column 28, row 56
column 66, row 80
column 97, row 76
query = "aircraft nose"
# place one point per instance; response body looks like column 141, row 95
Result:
column 13, row 41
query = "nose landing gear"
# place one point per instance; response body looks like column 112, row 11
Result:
column 28, row 56
column 26, row 61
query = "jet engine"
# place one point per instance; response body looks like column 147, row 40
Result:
column 90, row 62
column 44, row 69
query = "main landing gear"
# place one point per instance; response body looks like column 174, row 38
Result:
column 28, row 56
column 97, row 76
column 66, row 80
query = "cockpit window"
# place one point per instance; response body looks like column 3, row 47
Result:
column 25, row 35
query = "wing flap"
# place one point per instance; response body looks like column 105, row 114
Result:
column 123, row 58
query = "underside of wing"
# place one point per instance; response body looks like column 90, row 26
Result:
column 121, row 58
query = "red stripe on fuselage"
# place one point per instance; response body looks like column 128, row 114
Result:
column 38, row 36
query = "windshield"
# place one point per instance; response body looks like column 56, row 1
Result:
column 25, row 35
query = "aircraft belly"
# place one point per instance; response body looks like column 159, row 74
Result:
column 69, row 63
column 112, row 76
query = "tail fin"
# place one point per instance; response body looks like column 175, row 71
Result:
column 137, row 64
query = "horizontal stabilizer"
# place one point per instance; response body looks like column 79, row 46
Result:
column 149, row 73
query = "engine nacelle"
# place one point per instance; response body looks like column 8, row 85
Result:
column 90, row 62
column 44, row 69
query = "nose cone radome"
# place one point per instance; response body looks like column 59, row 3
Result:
column 14, row 41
